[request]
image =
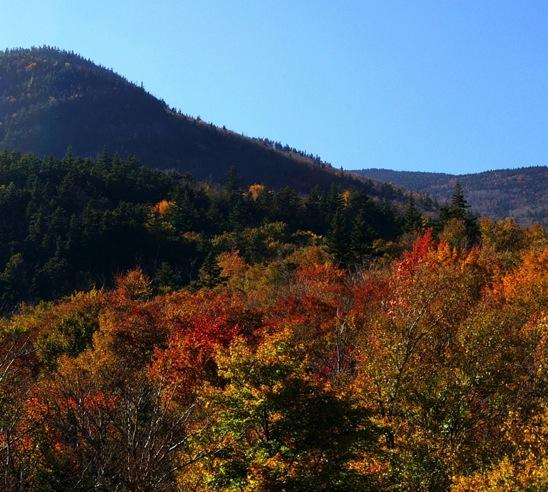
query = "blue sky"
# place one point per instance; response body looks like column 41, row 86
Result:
column 454, row 86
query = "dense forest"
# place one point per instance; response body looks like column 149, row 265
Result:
column 75, row 223
column 423, row 372
column 517, row 193
column 160, row 333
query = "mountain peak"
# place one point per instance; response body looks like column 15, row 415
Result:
column 51, row 99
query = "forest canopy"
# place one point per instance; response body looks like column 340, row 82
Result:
column 75, row 223
column 161, row 333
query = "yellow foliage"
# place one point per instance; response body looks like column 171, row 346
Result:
column 255, row 190
column 345, row 195
column 455, row 233
column 526, row 469
column 536, row 237
column 311, row 256
column 445, row 253
column 193, row 237
column 232, row 266
column 42, row 317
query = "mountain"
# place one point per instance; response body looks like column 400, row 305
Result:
column 517, row 193
column 52, row 99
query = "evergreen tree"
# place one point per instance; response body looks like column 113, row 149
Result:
column 184, row 215
column 338, row 238
column 458, row 207
column 166, row 279
column 232, row 181
column 13, row 280
column 209, row 274
column 315, row 204
column 361, row 237
column 288, row 208
column 412, row 218
column 458, row 211
column 239, row 214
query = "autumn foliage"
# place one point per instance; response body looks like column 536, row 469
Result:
column 424, row 373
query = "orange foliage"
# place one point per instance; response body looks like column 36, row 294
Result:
column 444, row 353
column 532, row 271
column 255, row 191
column 162, row 207
column 232, row 265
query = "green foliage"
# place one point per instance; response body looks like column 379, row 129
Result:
column 75, row 223
column 412, row 218
column 459, row 226
column 280, row 429
column 338, row 238
column 69, row 335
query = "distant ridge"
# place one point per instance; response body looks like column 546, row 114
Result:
column 52, row 99
column 519, row 193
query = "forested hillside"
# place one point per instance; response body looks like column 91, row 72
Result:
column 74, row 223
column 518, row 193
column 52, row 99
column 237, row 316
column 425, row 372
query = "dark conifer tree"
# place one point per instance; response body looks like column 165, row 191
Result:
column 209, row 274
column 240, row 214
column 166, row 279
column 459, row 209
column 232, row 181
column 412, row 218
column 338, row 237
column 315, row 204
column 361, row 237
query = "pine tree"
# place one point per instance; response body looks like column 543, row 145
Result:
column 166, row 279
column 361, row 237
column 458, row 210
column 232, row 181
column 337, row 237
column 209, row 274
column 458, row 207
column 412, row 217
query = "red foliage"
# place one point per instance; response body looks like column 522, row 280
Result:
column 417, row 255
column 195, row 332
column 367, row 292
column 336, row 362
column 317, row 297
column 208, row 331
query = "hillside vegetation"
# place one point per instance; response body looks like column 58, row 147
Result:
column 517, row 193
column 263, row 324
column 74, row 223
column 425, row 372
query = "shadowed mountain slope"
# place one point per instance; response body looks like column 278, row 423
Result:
column 52, row 99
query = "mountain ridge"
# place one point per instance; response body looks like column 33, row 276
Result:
column 44, row 91
column 517, row 192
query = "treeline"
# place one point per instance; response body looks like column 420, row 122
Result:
column 517, row 193
column 425, row 372
column 71, row 224
column 288, row 149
